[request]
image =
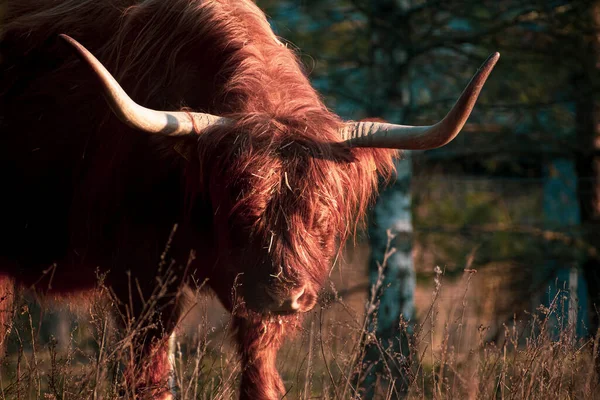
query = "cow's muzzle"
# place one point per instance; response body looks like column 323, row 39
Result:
column 298, row 300
column 268, row 300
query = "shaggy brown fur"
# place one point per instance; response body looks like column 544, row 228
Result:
column 264, row 203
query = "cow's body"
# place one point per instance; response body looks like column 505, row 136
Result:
column 85, row 193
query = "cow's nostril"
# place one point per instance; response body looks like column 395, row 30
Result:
column 291, row 303
column 295, row 299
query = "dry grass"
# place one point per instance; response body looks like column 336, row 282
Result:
column 451, row 357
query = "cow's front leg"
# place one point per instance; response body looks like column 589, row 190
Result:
column 258, row 341
column 149, row 370
column 150, row 374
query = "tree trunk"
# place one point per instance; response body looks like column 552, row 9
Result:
column 391, row 228
column 562, row 213
column 387, row 363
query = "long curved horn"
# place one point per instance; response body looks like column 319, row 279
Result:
column 382, row 135
column 152, row 121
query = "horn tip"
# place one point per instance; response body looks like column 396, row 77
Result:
column 493, row 58
column 488, row 65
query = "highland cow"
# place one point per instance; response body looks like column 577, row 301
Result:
column 263, row 182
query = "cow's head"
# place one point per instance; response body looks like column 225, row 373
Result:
column 282, row 196
column 281, row 201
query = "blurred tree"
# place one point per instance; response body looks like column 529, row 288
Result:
column 392, row 277
column 562, row 37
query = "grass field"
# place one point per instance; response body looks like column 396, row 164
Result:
column 457, row 350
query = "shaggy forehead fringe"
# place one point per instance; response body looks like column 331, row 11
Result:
column 290, row 188
column 285, row 135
